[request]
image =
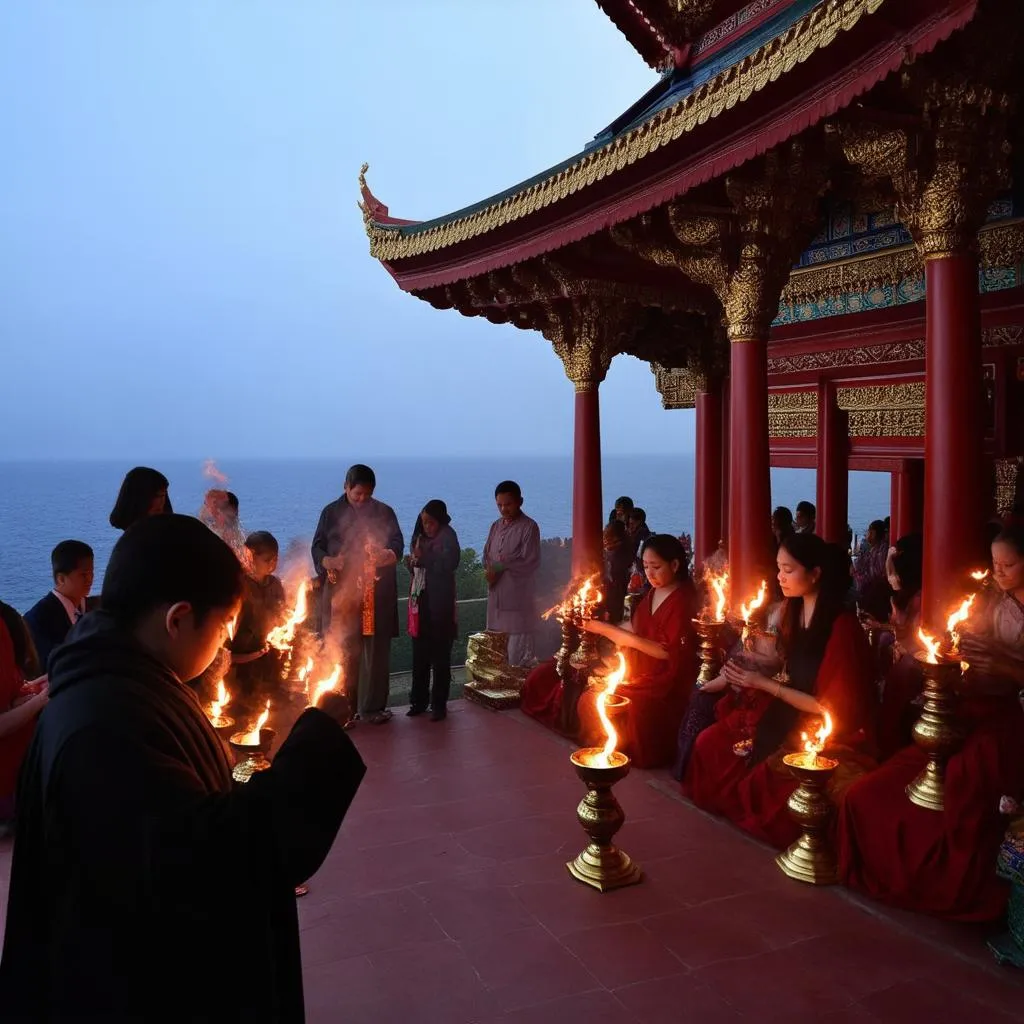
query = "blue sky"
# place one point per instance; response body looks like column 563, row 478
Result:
column 184, row 270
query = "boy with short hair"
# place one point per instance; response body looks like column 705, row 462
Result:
column 256, row 666
column 133, row 842
column 50, row 619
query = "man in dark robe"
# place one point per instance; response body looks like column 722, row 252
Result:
column 146, row 884
column 356, row 547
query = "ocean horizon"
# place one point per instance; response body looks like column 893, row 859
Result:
column 45, row 501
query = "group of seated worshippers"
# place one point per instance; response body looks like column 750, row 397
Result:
column 734, row 731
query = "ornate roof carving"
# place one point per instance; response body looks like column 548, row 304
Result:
column 391, row 240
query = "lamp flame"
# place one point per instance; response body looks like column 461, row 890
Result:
column 579, row 605
column 252, row 738
column 931, row 645
column 611, row 684
column 956, row 617
column 979, row 575
column 813, row 746
column 217, row 706
column 305, row 670
column 282, row 637
column 325, row 685
column 719, row 584
column 746, row 610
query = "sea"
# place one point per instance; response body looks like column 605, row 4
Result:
column 42, row 503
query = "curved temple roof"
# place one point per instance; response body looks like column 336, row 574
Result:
column 755, row 62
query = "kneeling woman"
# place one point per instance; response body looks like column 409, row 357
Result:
column 660, row 648
column 943, row 862
column 736, row 768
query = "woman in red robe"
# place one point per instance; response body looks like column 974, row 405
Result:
column 943, row 862
column 660, row 649
column 20, row 702
column 736, row 769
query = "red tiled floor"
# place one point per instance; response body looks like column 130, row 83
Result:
column 622, row 954
column 446, row 901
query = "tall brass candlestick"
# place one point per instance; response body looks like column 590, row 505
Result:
column 570, row 641
column 936, row 731
column 810, row 859
column 602, row 865
column 710, row 635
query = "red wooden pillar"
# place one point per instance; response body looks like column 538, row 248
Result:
column 833, row 480
column 587, row 510
column 954, row 497
column 906, row 494
column 708, row 511
column 749, row 467
column 726, row 448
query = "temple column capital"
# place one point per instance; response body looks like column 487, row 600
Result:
column 745, row 253
column 944, row 175
column 585, row 334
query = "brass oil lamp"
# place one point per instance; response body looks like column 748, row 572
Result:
column 251, row 748
column 811, row 858
column 602, row 865
column 937, row 731
column 710, row 627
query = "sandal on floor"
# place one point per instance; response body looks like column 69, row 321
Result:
column 379, row 717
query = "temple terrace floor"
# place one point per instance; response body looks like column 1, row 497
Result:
column 446, row 900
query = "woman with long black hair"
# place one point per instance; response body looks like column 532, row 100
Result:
column 432, row 620
column 736, row 769
column 143, row 493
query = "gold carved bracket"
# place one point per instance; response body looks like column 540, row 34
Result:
column 945, row 174
column 743, row 253
column 586, row 333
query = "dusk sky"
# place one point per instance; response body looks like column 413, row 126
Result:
column 184, row 270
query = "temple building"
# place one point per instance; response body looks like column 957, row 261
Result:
column 810, row 228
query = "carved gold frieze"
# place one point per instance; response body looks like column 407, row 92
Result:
column 1008, row 482
column 792, row 414
column 677, row 386
column 884, row 410
column 814, row 31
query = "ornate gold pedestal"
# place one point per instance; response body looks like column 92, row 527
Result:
column 936, row 731
column 710, row 636
column 811, row 859
column 490, row 680
column 252, row 758
column 602, row 865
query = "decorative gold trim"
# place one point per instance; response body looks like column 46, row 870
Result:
column 1005, row 336
column 858, row 274
column 816, row 30
column 1000, row 245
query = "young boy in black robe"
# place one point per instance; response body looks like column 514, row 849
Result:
column 138, row 863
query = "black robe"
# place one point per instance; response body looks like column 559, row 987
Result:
column 345, row 530
column 145, row 883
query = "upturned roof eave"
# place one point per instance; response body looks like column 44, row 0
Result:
column 835, row 93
